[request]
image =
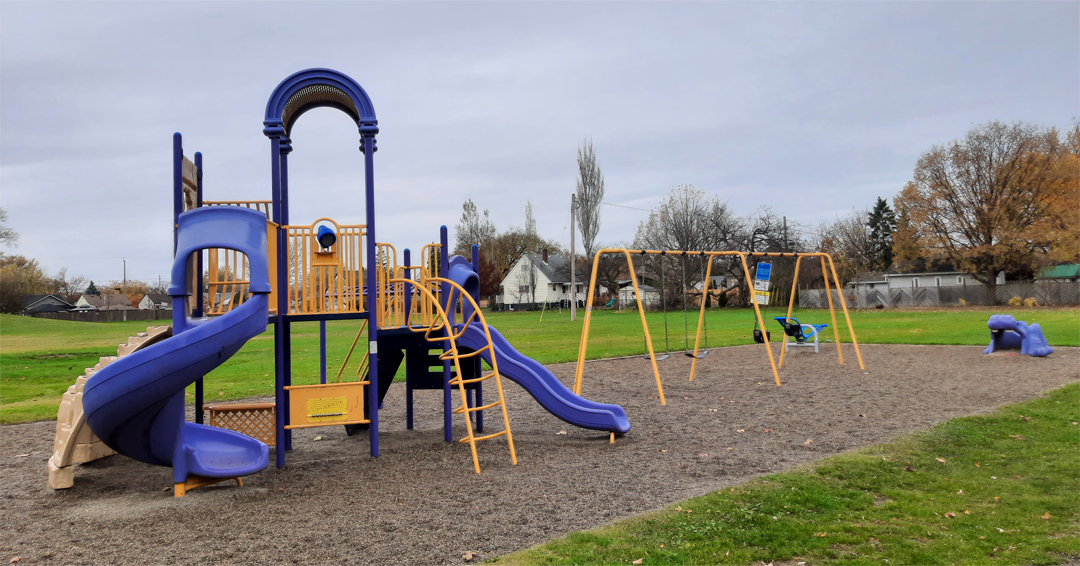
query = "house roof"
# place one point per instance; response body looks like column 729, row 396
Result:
column 642, row 288
column 920, row 267
column 868, row 277
column 1067, row 271
column 556, row 269
column 30, row 300
column 112, row 301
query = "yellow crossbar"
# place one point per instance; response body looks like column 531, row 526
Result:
column 479, row 438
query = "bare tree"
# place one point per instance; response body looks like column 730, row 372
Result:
column 8, row 236
column 530, row 220
column 530, row 280
column 590, row 192
column 1003, row 198
column 67, row 288
column 849, row 241
column 688, row 219
column 473, row 228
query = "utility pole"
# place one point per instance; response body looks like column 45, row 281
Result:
column 573, row 258
column 124, row 291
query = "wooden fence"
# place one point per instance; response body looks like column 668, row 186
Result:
column 109, row 316
column 1046, row 293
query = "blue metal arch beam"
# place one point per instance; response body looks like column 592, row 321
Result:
column 274, row 121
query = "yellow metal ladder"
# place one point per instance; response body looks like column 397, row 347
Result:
column 449, row 333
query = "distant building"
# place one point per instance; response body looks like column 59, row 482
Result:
column 551, row 285
column 153, row 301
column 942, row 276
column 33, row 304
column 1069, row 272
column 104, row 302
column 650, row 296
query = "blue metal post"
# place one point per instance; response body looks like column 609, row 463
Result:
column 282, row 306
column 444, row 268
column 284, row 149
column 178, row 184
column 479, row 362
column 407, row 259
column 322, row 351
column 198, row 310
column 367, row 132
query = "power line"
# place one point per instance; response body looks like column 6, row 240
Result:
column 624, row 206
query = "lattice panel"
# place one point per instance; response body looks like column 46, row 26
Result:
column 253, row 419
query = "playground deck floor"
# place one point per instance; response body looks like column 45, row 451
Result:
column 421, row 503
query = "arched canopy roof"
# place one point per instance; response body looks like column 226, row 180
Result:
column 315, row 88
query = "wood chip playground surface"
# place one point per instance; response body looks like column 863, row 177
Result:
column 421, row 503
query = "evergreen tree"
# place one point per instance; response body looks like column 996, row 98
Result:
column 882, row 223
column 92, row 289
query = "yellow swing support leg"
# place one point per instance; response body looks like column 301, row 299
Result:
column 757, row 313
column 588, row 319
column 701, row 317
column 832, row 311
column 790, row 306
column 847, row 317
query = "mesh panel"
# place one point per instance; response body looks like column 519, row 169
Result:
column 316, row 94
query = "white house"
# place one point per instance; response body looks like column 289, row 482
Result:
column 650, row 296
column 154, row 301
column 542, row 278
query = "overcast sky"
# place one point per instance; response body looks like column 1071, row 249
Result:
column 811, row 108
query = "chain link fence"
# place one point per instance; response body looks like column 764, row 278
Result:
column 1045, row 293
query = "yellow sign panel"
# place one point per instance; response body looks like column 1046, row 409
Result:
column 326, row 404
column 761, row 297
column 323, row 409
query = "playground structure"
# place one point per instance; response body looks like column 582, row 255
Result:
column 826, row 267
column 262, row 269
column 1008, row 333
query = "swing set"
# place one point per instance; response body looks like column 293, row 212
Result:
column 827, row 267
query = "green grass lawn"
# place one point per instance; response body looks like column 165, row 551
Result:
column 40, row 358
column 994, row 489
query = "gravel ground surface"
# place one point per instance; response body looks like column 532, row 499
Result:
column 421, row 503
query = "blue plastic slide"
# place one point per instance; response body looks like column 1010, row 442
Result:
column 1006, row 332
column 136, row 404
column 544, row 386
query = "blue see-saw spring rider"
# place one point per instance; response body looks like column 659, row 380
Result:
column 264, row 270
column 1008, row 333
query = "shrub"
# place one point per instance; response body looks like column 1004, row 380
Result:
column 1016, row 301
column 1031, row 302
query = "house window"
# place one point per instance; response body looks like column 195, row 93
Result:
column 937, row 282
column 915, row 282
column 523, row 290
column 959, row 280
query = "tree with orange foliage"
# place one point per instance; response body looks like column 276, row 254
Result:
column 1003, row 198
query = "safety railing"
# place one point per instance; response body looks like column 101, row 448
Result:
column 227, row 270
column 325, row 280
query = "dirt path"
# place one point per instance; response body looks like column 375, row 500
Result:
column 420, row 502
